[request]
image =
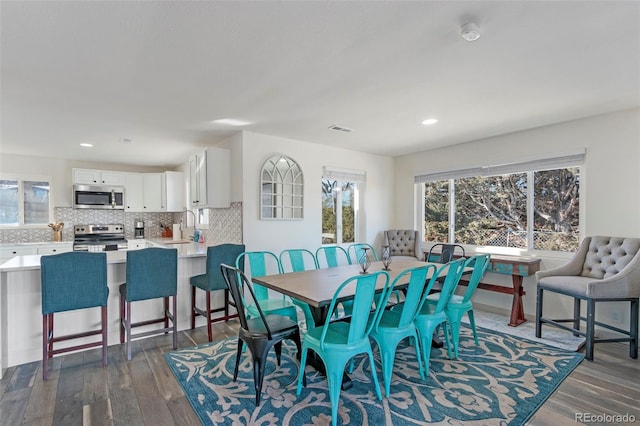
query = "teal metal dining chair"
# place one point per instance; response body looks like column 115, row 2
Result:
column 211, row 281
column 429, row 318
column 263, row 263
column 356, row 250
column 152, row 273
column 459, row 305
column 261, row 333
column 332, row 256
column 336, row 343
column 298, row 260
column 395, row 325
column 70, row 281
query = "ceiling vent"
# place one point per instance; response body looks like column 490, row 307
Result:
column 340, row 129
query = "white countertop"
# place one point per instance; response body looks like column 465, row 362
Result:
column 190, row 249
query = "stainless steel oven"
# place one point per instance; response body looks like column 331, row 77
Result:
column 98, row 197
column 99, row 237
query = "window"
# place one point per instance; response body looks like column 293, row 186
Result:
column 340, row 206
column 24, row 201
column 529, row 209
column 338, row 211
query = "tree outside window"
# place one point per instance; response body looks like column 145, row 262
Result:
column 338, row 211
column 528, row 210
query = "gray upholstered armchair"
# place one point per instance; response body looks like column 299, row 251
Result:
column 604, row 269
column 403, row 243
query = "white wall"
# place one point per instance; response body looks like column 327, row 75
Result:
column 610, row 193
column 60, row 172
column 277, row 235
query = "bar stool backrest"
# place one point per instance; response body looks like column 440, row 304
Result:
column 151, row 273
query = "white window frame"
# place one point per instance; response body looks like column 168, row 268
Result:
column 529, row 167
column 341, row 175
column 21, row 178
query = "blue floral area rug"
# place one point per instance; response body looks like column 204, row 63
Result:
column 502, row 381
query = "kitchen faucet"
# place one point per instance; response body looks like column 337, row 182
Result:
column 186, row 225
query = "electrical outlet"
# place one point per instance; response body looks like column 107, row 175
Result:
column 616, row 316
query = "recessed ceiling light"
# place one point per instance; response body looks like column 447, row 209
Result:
column 86, row 145
column 125, row 140
column 231, row 122
column 430, row 121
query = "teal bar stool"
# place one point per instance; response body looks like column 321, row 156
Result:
column 151, row 273
column 70, row 281
column 213, row 280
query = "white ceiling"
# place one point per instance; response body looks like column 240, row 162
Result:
column 159, row 72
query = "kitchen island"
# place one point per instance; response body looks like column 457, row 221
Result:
column 21, row 303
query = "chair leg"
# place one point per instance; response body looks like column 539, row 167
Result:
column 539, row 313
column 122, row 316
column 128, row 329
column 193, row 306
column 301, row 376
column 226, row 304
column 166, row 315
column 209, row 330
column 472, row 322
column 45, row 347
column 175, row 322
column 633, row 329
column 104, row 335
column 576, row 315
column 238, row 354
column 591, row 308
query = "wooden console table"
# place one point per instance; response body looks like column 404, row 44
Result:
column 518, row 267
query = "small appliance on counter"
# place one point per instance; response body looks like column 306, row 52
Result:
column 138, row 229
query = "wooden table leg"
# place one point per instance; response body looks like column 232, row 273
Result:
column 517, row 309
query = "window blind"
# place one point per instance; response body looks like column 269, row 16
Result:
column 556, row 162
column 350, row 175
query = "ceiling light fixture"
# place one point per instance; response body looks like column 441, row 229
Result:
column 231, row 122
column 470, row 31
column 86, row 145
column 430, row 121
column 125, row 140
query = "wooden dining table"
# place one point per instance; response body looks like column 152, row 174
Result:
column 316, row 287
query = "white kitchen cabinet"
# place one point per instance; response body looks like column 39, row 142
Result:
column 136, row 244
column 133, row 190
column 173, row 192
column 8, row 251
column 152, row 192
column 98, row 177
column 210, row 179
column 54, row 248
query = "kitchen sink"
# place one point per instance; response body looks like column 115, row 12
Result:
column 177, row 242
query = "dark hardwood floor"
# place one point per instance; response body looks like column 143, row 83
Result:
column 144, row 392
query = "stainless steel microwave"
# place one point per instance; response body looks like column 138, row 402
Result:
column 98, row 197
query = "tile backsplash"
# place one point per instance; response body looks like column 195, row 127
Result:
column 225, row 225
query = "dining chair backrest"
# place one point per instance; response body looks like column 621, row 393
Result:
column 237, row 282
column 365, row 289
column 151, row 273
column 260, row 263
column 74, row 280
column 413, row 292
column 356, row 250
column 216, row 255
column 446, row 253
column 297, row 260
column 452, row 272
column 333, row 256
column 480, row 263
